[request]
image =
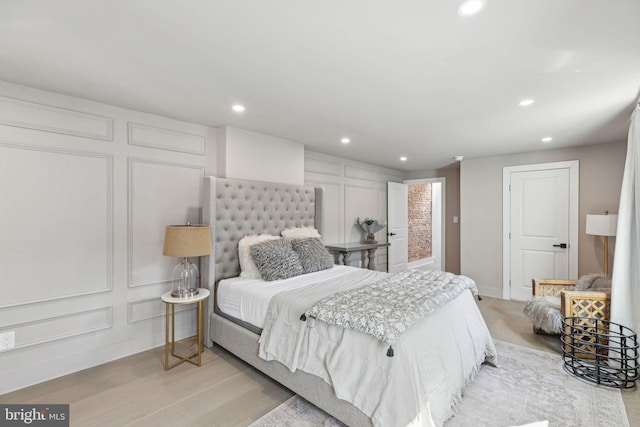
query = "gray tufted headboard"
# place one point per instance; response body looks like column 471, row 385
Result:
column 236, row 208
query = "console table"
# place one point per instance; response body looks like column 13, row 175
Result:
column 368, row 252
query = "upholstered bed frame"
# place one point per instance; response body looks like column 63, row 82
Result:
column 235, row 208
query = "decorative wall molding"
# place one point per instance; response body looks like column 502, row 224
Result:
column 38, row 297
column 352, row 189
column 359, row 201
column 54, row 328
column 359, row 173
column 150, row 308
column 321, row 167
column 166, row 139
column 384, row 178
column 332, row 209
column 169, row 194
column 359, row 187
column 67, row 236
column 48, row 118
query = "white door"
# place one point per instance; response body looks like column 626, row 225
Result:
column 397, row 226
column 541, row 211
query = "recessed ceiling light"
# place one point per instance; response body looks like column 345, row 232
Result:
column 458, row 158
column 526, row 102
column 403, row 159
column 547, row 139
column 345, row 140
column 470, row 7
column 238, row 108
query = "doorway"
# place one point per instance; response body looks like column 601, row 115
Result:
column 417, row 231
column 425, row 220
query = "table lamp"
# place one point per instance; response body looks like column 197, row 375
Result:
column 603, row 225
column 186, row 241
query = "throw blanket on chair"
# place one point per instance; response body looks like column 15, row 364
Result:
column 387, row 308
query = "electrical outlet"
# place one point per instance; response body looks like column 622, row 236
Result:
column 7, row 340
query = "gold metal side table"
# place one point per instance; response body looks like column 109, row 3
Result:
column 170, row 339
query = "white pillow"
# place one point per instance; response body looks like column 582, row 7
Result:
column 300, row 233
column 248, row 268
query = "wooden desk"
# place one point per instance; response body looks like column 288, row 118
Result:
column 368, row 252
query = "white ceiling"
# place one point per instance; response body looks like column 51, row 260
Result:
column 400, row 78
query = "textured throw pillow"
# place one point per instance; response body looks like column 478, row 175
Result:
column 300, row 233
column 248, row 268
column 593, row 282
column 313, row 255
column 276, row 259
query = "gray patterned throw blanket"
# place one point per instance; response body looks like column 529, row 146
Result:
column 386, row 308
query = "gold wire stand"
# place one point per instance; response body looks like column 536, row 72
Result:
column 170, row 341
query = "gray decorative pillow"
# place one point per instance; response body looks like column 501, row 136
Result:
column 313, row 255
column 276, row 260
column 593, row 282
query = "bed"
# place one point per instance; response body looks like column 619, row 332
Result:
column 344, row 372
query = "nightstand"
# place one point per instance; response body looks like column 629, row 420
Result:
column 170, row 341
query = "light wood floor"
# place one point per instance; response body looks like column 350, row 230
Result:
column 136, row 391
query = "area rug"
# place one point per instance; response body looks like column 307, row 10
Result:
column 528, row 386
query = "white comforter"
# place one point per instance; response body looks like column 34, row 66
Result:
column 419, row 386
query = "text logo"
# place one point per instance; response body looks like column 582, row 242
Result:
column 34, row 415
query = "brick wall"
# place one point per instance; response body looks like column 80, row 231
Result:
column 419, row 221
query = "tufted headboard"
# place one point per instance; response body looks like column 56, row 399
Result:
column 236, row 208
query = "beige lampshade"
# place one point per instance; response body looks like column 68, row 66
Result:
column 187, row 240
column 602, row 225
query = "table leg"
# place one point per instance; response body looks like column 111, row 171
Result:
column 173, row 328
column 372, row 259
column 166, row 338
column 346, row 258
column 200, row 328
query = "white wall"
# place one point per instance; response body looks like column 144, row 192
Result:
column 351, row 190
column 86, row 191
column 601, row 168
column 255, row 156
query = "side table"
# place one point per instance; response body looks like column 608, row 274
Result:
column 170, row 341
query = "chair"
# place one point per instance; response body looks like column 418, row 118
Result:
column 553, row 300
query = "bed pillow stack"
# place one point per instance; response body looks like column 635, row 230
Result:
column 299, row 251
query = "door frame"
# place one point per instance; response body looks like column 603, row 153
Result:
column 574, row 216
column 443, row 212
